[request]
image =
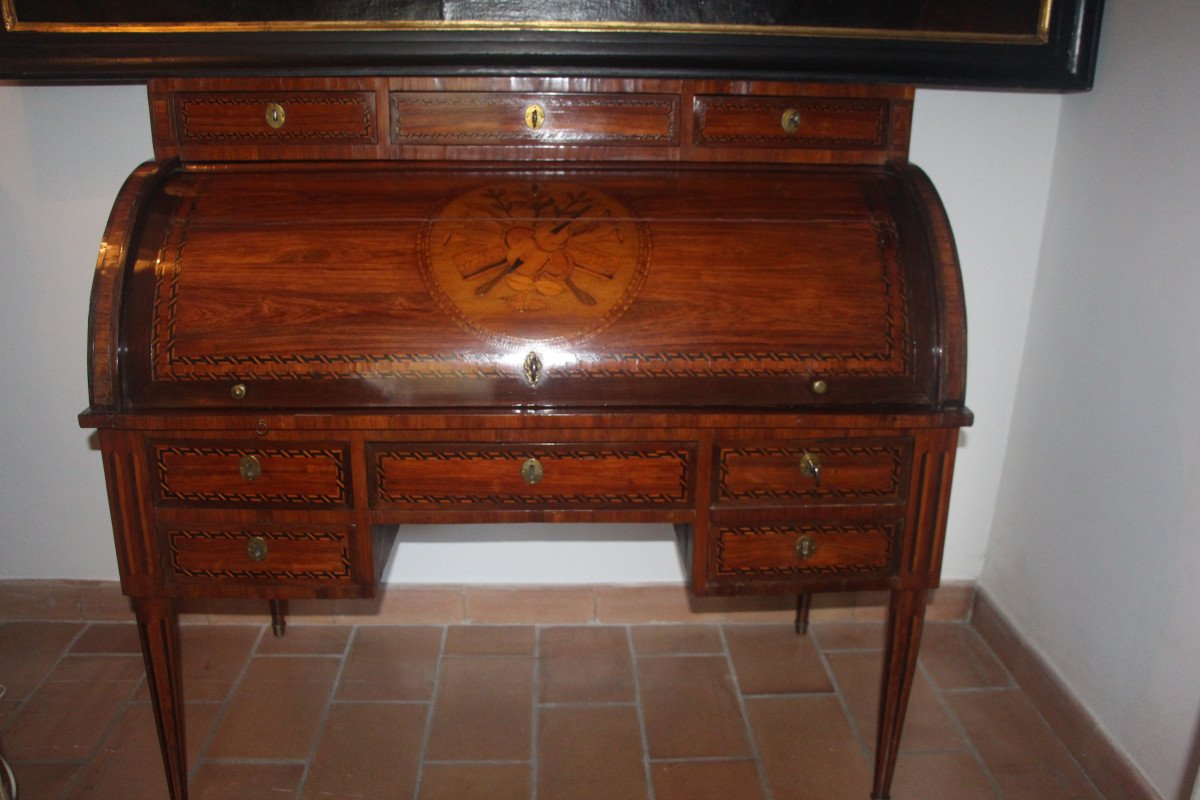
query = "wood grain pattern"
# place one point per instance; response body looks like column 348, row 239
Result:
column 849, row 471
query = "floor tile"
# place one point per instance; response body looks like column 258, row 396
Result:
column 590, row 753
column 367, row 751
column 690, row 707
column 803, row 765
column 43, row 779
column 926, row 725
column 246, row 781
column 395, row 605
column 65, row 719
column 109, row 637
column 772, row 659
column 706, row 780
column 483, row 710
column 127, row 765
column 29, row 650
column 96, row 668
column 391, row 663
column 956, row 658
column 848, row 635
column 543, row 606
column 276, row 709
column 1017, row 747
column 651, row 640
column 311, row 640
column 941, row 776
column 490, row 640
column 465, row 781
column 213, row 656
column 585, row 665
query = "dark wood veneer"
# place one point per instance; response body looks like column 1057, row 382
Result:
column 651, row 301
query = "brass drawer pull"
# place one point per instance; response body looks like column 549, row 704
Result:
column 810, row 467
column 275, row 115
column 238, row 391
column 806, row 547
column 532, row 471
column 256, row 548
column 250, row 467
column 535, row 116
column 790, row 120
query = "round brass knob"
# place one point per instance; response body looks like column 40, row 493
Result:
column 790, row 120
column 275, row 115
column 250, row 468
column 806, row 547
column 820, row 387
column 238, row 391
column 256, row 548
column 535, row 116
column 532, row 471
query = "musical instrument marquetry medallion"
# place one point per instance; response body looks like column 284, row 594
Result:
column 550, row 262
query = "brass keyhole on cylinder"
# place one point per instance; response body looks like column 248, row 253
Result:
column 275, row 115
column 535, row 116
column 532, row 471
column 533, row 368
column 790, row 120
column 256, row 548
column 805, row 547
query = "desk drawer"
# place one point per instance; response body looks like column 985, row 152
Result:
column 813, row 472
column 233, row 475
column 286, row 117
column 822, row 123
column 455, row 477
column 833, row 548
column 252, row 554
column 509, row 118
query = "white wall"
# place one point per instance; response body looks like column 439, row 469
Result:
column 65, row 152
column 1096, row 547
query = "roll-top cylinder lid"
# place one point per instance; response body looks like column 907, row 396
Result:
column 299, row 287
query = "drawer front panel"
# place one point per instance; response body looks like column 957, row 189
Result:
column 478, row 477
column 284, row 118
column 803, row 122
column 500, row 118
column 224, row 475
column 237, row 554
column 814, row 473
column 832, row 548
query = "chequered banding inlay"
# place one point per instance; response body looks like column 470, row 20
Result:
column 825, row 536
column 876, row 108
column 359, row 104
column 897, row 453
column 335, row 457
column 263, row 571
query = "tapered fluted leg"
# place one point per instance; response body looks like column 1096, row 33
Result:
column 906, row 618
column 803, row 606
column 278, row 617
column 158, row 625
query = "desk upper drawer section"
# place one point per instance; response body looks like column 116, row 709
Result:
column 230, row 474
column 489, row 119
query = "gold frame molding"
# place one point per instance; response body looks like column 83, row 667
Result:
column 1042, row 35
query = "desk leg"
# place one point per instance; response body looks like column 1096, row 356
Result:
column 158, row 625
column 906, row 619
column 803, row 607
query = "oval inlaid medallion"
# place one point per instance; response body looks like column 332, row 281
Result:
column 542, row 261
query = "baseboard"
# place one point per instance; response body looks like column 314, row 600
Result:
column 1110, row 770
column 476, row 604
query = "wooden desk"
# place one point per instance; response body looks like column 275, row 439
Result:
column 335, row 306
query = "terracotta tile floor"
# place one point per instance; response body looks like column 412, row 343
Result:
column 500, row 712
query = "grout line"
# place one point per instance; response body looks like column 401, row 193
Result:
column 220, row 717
column 962, row 731
column 768, row 794
column 433, row 694
column 845, row 705
column 641, row 715
column 323, row 720
column 535, row 716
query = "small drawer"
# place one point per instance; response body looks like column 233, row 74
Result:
column 824, row 548
column 230, row 475
column 275, row 118
column 503, row 118
column 456, row 477
column 816, row 472
column 825, row 123
column 226, row 554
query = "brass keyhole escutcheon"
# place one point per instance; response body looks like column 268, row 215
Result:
column 256, row 548
column 790, row 120
column 275, row 115
column 532, row 471
column 533, row 368
column 805, row 547
column 810, row 467
column 238, row 391
column 535, row 116
column 250, row 468
column 820, row 387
